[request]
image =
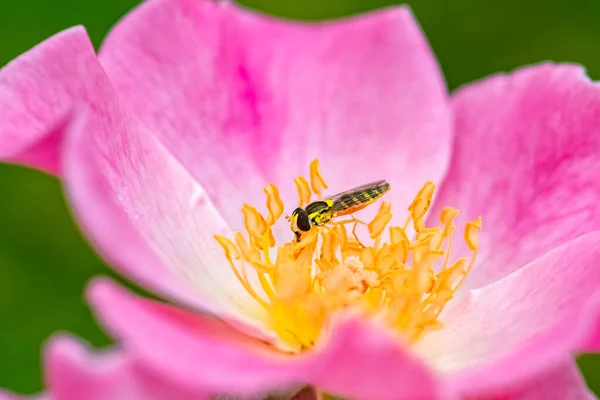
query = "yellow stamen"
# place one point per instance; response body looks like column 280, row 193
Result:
column 233, row 253
column 304, row 192
column 471, row 231
column 404, row 282
column 316, row 179
column 274, row 204
column 256, row 226
column 377, row 226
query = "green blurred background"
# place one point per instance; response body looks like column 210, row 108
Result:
column 44, row 261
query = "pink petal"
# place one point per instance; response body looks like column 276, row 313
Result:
column 37, row 91
column 6, row 395
column 75, row 373
column 592, row 338
column 562, row 382
column 242, row 99
column 357, row 361
column 146, row 213
column 526, row 158
column 516, row 327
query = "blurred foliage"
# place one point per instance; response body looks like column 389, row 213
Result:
column 44, row 260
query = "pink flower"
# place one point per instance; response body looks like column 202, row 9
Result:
column 197, row 106
column 72, row 372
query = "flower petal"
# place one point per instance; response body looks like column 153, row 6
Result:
column 564, row 381
column 242, row 99
column 358, row 360
column 37, row 91
column 592, row 338
column 146, row 213
column 516, row 327
column 526, row 154
column 6, row 395
column 75, row 373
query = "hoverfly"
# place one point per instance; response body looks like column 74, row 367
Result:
column 321, row 212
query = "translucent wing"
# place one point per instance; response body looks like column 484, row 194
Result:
column 357, row 198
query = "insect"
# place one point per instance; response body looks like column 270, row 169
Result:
column 321, row 212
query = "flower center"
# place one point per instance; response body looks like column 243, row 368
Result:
column 315, row 275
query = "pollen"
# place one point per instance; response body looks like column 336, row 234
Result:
column 400, row 275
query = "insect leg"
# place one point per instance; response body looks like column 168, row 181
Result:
column 352, row 221
column 356, row 222
column 355, row 235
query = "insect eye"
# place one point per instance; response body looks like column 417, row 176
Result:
column 302, row 221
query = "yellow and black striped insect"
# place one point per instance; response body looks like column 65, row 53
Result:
column 321, row 212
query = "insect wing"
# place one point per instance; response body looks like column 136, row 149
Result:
column 357, row 198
